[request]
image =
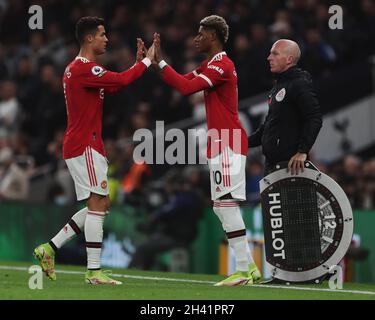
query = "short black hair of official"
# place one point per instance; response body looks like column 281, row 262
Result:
column 217, row 24
column 87, row 25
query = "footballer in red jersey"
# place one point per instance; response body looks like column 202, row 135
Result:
column 85, row 84
column 226, row 152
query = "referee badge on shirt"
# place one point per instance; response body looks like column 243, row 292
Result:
column 280, row 95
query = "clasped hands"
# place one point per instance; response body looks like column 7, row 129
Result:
column 153, row 53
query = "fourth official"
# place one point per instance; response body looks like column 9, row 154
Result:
column 294, row 118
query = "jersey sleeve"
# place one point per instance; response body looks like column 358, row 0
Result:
column 95, row 76
column 183, row 85
column 309, row 108
column 112, row 90
column 215, row 74
column 194, row 73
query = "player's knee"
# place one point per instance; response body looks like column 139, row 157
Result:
column 98, row 202
column 105, row 204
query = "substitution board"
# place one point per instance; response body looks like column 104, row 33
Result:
column 307, row 222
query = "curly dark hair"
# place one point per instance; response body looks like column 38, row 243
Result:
column 217, row 24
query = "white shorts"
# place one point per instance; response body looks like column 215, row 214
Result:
column 89, row 172
column 227, row 175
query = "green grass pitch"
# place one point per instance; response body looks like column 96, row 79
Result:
column 140, row 285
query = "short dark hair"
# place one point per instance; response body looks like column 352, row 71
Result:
column 217, row 24
column 87, row 25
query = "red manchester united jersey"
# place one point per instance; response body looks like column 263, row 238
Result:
column 85, row 84
column 218, row 79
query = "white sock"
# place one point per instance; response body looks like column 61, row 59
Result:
column 230, row 216
column 71, row 229
column 80, row 217
column 241, row 252
column 94, row 237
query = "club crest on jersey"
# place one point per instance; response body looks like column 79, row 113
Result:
column 281, row 95
column 97, row 71
column 104, row 184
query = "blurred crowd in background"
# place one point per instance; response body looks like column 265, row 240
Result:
column 32, row 105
